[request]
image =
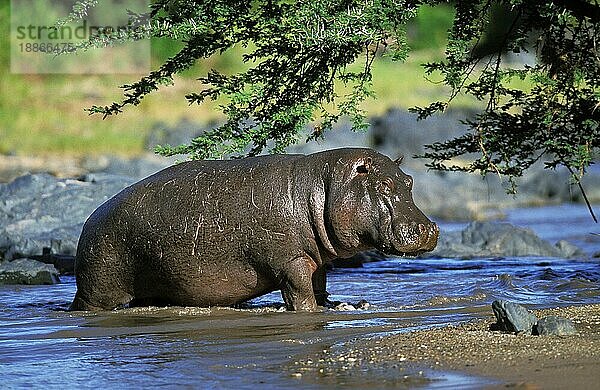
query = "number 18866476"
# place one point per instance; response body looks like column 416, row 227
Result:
column 48, row 47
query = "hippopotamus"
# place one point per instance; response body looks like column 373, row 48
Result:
column 221, row 232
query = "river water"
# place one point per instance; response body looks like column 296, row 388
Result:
column 42, row 345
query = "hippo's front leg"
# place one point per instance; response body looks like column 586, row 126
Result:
column 297, row 288
column 319, row 283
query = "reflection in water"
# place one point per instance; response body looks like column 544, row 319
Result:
column 41, row 344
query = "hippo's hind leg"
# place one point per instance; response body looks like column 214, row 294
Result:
column 81, row 304
column 99, row 297
column 297, row 289
column 101, row 283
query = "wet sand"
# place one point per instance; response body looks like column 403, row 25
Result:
column 494, row 359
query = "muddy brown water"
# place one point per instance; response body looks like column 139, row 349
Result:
column 42, row 345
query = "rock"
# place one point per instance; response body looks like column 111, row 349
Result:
column 493, row 239
column 14, row 166
column 467, row 197
column 341, row 136
column 344, row 306
column 555, row 186
column 399, row 132
column 27, row 271
column 506, row 239
column 359, row 259
column 569, row 250
column 470, row 197
column 65, row 264
column 362, row 305
column 554, row 326
column 512, row 317
column 138, row 167
column 41, row 211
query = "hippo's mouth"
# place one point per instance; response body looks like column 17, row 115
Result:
column 410, row 239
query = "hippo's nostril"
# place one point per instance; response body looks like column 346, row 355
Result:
column 422, row 228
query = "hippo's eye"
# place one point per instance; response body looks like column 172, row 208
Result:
column 388, row 186
column 409, row 182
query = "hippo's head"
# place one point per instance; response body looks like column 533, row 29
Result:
column 371, row 206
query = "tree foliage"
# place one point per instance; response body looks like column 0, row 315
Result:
column 296, row 51
column 555, row 116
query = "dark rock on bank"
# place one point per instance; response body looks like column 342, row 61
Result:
column 512, row 317
column 494, row 239
column 554, row 326
column 41, row 211
column 27, row 271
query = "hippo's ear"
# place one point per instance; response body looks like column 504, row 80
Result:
column 399, row 160
column 366, row 166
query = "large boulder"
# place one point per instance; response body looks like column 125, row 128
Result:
column 458, row 196
column 556, row 186
column 470, row 197
column 27, row 271
column 494, row 239
column 40, row 211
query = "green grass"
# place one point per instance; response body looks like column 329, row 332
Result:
column 44, row 114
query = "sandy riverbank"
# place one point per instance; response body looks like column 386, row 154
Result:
column 528, row 362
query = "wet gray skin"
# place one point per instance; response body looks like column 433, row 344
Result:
column 217, row 233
